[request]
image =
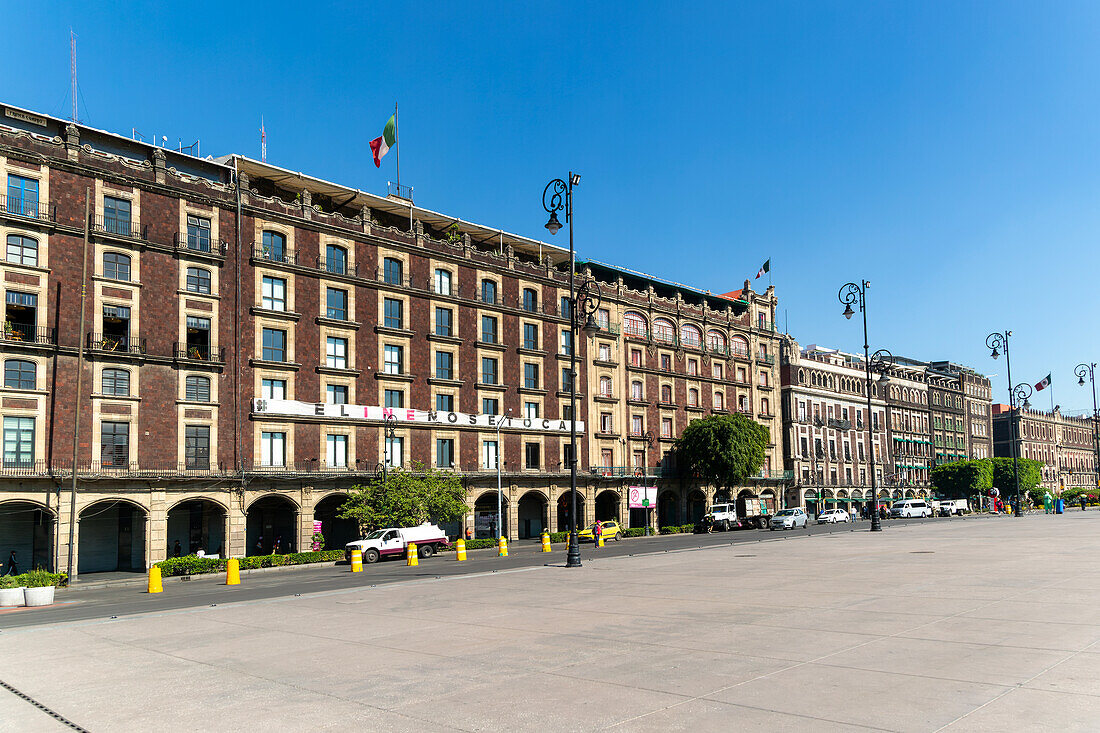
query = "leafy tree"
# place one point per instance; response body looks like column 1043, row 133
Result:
column 962, row 479
column 408, row 498
column 723, row 450
column 1031, row 473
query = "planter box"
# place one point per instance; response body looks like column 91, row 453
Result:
column 39, row 596
column 11, row 597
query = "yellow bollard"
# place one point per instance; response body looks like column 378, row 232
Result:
column 460, row 550
column 233, row 572
column 154, row 580
column 546, row 542
column 413, row 561
column 356, row 560
column 502, row 546
column 599, row 542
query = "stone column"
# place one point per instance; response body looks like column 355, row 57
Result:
column 156, row 534
column 235, row 535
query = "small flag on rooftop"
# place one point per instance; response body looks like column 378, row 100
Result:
column 381, row 145
column 1043, row 384
column 766, row 267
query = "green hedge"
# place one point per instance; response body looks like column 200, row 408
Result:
column 192, row 565
column 34, row 579
column 634, row 532
column 681, row 529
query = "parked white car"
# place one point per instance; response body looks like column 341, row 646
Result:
column 911, row 508
column 789, row 519
column 832, row 516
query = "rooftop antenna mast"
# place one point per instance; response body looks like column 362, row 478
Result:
column 72, row 67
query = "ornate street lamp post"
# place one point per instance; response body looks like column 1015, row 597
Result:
column 1017, row 396
column 881, row 361
column 389, row 432
column 1081, row 370
column 583, row 301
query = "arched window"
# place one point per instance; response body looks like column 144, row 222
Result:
column 198, row 280
column 666, row 394
column 116, row 382
column 801, row 377
column 739, row 346
column 636, row 391
column 719, row 401
column 116, row 266
column 664, row 331
column 690, row 336
column 693, row 397
column 634, row 324
column 197, row 389
column 530, row 300
column 22, row 250
column 19, row 374
column 336, row 259
column 605, row 386
column 716, row 341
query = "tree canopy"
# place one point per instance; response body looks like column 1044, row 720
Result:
column 1031, row 473
column 723, row 450
column 962, row 479
column 408, row 498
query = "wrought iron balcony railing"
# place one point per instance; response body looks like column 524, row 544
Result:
column 274, row 254
column 200, row 352
column 337, row 266
column 116, row 344
column 204, row 245
column 118, row 226
column 29, row 208
column 28, row 334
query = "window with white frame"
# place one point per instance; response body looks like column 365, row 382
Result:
column 336, row 352
column 489, row 454
column 394, row 358
column 636, row 425
column 273, row 389
column 336, row 447
column 274, row 293
column 530, row 410
column 272, row 448
column 443, row 282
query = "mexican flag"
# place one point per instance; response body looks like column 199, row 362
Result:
column 766, row 267
column 1043, row 384
column 381, row 145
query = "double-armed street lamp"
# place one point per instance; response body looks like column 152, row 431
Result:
column 1080, row 371
column 584, row 301
column 1017, row 397
column 881, row 361
column 389, row 432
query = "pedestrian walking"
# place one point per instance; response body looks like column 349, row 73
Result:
column 259, row 548
column 176, row 549
column 13, row 566
column 278, row 546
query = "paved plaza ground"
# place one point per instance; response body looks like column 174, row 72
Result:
column 987, row 624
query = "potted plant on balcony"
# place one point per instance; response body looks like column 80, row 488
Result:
column 11, row 593
column 39, row 585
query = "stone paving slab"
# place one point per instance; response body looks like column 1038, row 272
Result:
column 955, row 626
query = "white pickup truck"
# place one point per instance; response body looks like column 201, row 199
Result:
column 724, row 516
column 429, row 538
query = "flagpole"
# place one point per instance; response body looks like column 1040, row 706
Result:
column 397, row 144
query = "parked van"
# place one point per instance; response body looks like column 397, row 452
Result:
column 911, row 508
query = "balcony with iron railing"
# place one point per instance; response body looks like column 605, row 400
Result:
column 115, row 344
column 628, row 471
column 27, row 208
column 200, row 244
column 274, row 254
column 337, row 266
column 25, row 333
column 200, row 352
column 765, row 475
column 118, row 227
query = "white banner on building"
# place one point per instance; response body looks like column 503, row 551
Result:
column 642, row 497
column 293, row 408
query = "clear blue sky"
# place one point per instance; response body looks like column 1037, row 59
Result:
column 946, row 151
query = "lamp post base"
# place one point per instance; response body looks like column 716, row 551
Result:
column 573, row 556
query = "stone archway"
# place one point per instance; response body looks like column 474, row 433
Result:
column 668, row 509
column 111, row 537
column 27, row 528
column 485, row 515
column 565, row 508
column 696, row 506
column 271, row 520
column 336, row 531
column 608, row 503
column 196, row 524
column 532, row 516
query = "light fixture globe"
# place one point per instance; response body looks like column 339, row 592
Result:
column 590, row 325
column 848, row 312
column 553, row 225
column 995, row 353
column 1081, row 381
column 884, row 379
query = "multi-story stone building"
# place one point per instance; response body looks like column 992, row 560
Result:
column 910, row 424
column 1064, row 444
column 256, row 341
column 826, row 428
column 977, row 395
